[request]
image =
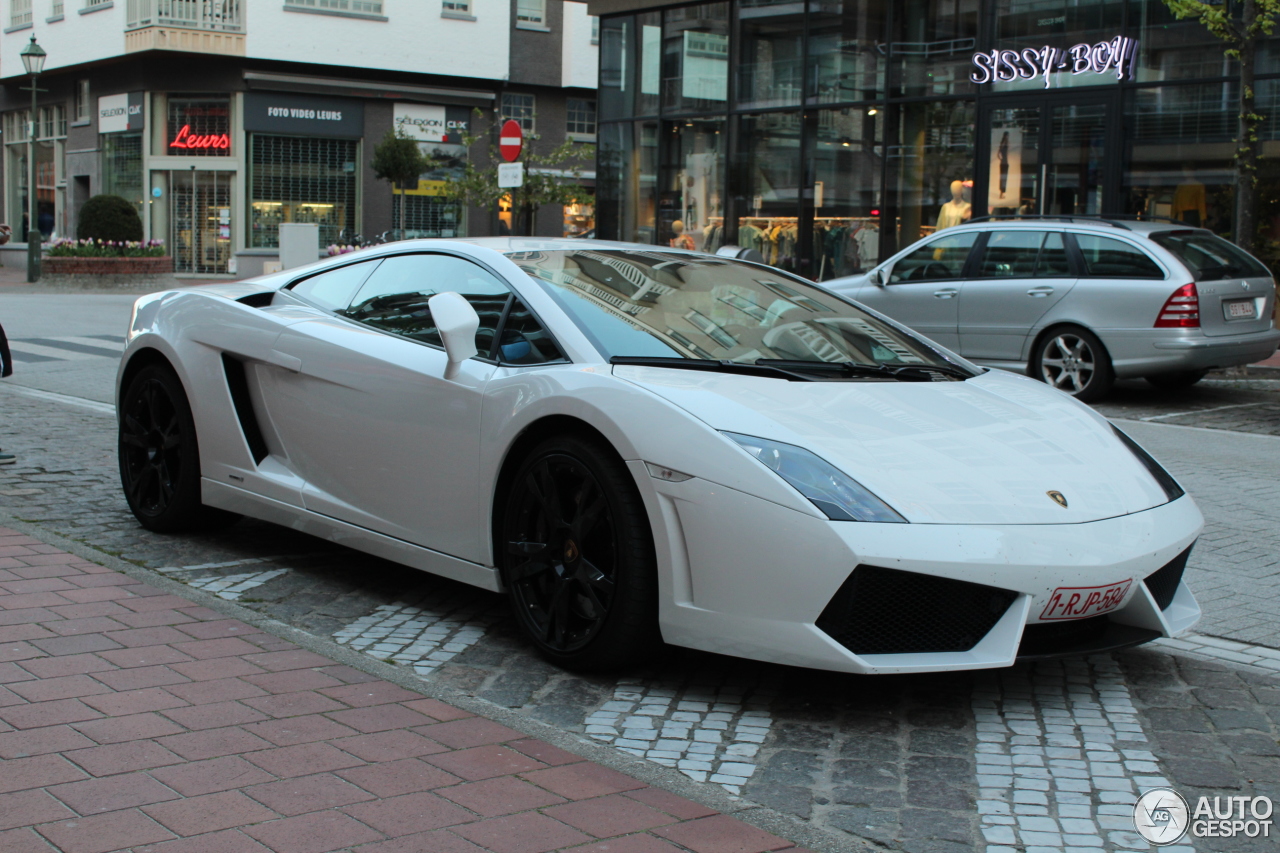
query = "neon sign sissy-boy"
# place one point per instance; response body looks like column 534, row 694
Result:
column 1003, row 66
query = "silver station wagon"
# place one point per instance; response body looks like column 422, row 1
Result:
column 1079, row 301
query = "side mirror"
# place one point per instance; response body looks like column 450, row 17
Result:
column 457, row 322
column 880, row 276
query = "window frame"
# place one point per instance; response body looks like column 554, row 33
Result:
column 525, row 22
column 966, row 269
column 533, row 110
column 490, row 357
column 587, row 136
column 976, row 271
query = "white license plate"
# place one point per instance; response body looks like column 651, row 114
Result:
column 1241, row 309
column 1079, row 602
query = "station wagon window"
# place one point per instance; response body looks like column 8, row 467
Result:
column 1024, row 254
column 1209, row 257
column 1108, row 258
column 333, row 289
column 937, row 260
column 395, row 296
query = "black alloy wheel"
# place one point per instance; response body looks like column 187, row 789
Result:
column 159, row 457
column 578, row 561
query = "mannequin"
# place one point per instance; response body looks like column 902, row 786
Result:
column 681, row 240
column 955, row 211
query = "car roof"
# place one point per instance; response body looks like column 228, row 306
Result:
column 1097, row 224
column 541, row 244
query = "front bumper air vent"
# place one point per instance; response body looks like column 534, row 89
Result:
column 886, row 611
column 1163, row 583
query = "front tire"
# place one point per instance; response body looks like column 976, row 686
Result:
column 577, row 557
column 1073, row 360
column 159, row 455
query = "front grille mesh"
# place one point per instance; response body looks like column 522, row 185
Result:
column 886, row 611
column 1163, row 583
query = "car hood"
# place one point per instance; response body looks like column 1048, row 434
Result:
column 984, row 451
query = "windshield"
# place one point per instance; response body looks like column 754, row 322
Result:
column 659, row 304
column 1210, row 257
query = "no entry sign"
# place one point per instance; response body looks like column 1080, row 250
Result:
column 511, row 140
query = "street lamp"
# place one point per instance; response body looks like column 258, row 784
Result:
column 33, row 57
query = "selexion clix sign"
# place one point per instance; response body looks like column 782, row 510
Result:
column 1003, row 66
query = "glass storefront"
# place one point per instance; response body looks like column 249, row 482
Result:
column 301, row 179
column 122, row 168
column 829, row 135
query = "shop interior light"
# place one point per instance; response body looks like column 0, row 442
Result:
column 872, row 111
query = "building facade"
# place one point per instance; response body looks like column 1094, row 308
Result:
column 221, row 120
column 829, row 135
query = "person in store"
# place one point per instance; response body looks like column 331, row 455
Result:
column 681, row 240
column 955, row 211
column 6, row 369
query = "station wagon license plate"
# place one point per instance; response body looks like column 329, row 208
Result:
column 1240, row 309
column 1080, row 602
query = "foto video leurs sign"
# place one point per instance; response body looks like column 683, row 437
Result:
column 1004, row 66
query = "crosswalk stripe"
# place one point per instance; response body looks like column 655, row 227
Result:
column 72, row 346
column 44, row 353
column 115, row 344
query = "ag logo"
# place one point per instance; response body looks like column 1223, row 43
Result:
column 1058, row 497
column 1161, row 816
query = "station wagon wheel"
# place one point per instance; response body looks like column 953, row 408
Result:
column 159, row 457
column 1073, row 360
column 578, row 562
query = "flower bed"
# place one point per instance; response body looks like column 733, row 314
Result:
column 68, row 248
column 63, row 265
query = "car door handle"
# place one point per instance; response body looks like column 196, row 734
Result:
column 291, row 363
column 946, row 293
column 1039, row 291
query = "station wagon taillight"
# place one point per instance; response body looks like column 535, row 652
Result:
column 1181, row 310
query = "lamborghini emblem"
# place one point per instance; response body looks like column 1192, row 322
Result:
column 1059, row 498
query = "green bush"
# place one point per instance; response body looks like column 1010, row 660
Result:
column 111, row 218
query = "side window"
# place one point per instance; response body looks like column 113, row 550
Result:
column 524, row 341
column 395, row 297
column 935, row 261
column 1024, row 254
column 333, row 289
column 1110, row 258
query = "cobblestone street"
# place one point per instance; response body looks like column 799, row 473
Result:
column 1037, row 757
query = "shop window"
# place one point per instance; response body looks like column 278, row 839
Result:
column 695, row 58
column 199, row 127
column 771, row 53
column 518, row 108
column 1022, row 24
column 531, row 12
column 582, row 117
column 845, row 153
column 1169, row 49
column 929, row 179
column 649, row 63
column 50, row 130
column 846, row 59
column 626, row 180
column 122, row 167
column 932, row 46
column 580, row 219
column 1180, row 165
column 80, row 102
column 302, row 179
column 691, row 200
column 617, row 72
column 431, row 216
column 767, row 178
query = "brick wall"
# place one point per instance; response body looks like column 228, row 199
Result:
column 108, row 266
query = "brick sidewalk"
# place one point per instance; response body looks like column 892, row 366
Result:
column 131, row 719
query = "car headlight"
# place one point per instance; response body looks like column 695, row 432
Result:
column 1171, row 488
column 839, row 496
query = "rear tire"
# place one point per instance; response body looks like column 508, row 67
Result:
column 1073, row 360
column 159, row 455
column 1175, row 381
column 577, row 558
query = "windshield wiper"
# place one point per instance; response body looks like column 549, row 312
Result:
column 905, row 373
column 713, row 365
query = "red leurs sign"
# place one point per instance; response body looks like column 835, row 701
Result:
column 187, row 139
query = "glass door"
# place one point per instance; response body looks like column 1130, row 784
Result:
column 200, row 221
column 1047, row 155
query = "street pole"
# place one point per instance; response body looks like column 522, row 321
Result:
column 33, row 57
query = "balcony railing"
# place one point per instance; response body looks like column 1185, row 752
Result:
column 224, row 16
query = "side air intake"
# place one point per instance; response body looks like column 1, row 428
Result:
column 1163, row 583
column 238, row 385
